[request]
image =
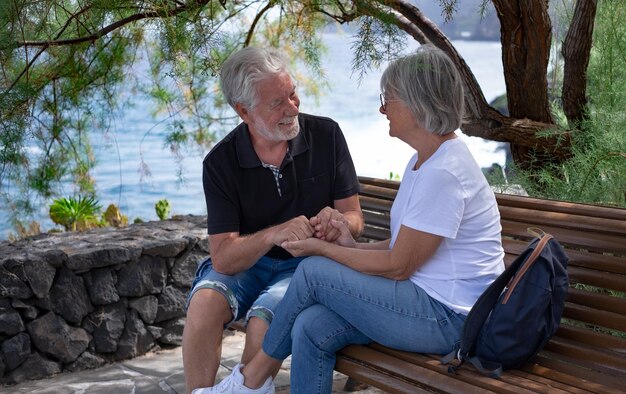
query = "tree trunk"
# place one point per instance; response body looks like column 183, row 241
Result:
column 526, row 34
column 576, row 52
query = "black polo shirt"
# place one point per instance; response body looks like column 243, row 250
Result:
column 242, row 196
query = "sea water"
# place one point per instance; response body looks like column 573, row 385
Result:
column 137, row 139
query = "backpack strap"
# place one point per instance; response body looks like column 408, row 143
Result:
column 488, row 368
column 526, row 266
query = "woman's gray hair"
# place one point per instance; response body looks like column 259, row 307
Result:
column 244, row 69
column 429, row 83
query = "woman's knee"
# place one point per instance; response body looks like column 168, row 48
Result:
column 321, row 328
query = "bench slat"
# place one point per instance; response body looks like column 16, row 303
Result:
column 379, row 192
column 564, row 220
column 388, row 184
column 591, row 338
column 375, row 233
column 385, row 364
column 549, row 383
column 375, row 204
column 376, row 220
column 555, row 367
column 507, row 383
column 599, row 279
column 600, row 243
column 535, row 204
column 601, row 262
column 467, row 375
column 602, row 302
column 367, row 373
column 589, row 357
column 585, row 314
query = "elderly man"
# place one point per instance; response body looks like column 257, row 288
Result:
column 279, row 176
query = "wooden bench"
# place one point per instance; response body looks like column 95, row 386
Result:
column 587, row 354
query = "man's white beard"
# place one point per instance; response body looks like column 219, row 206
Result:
column 280, row 134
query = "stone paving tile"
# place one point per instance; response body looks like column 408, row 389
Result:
column 154, row 373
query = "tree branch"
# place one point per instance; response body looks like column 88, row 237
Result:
column 476, row 104
column 256, row 20
column 113, row 26
column 376, row 11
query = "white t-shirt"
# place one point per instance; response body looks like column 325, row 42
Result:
column 450, row 197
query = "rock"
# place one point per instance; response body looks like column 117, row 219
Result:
column 10, row 320
column 40, row 276
column 12, row 286
column 95, row 256
column 52, row 336
column 86, row 360
column 165, row 247
column 184, row 270
column 156, row 331
column 69, row 297
column 101, row 286
column 35, row 367
column 171, row 304
column 147, row 276
column 15, row 350
column 172, row 332
column 108, row 325
column 44, row 303
column 25, row 308
column 146, row 307
column 2, row 367
column 136, row 339
column 55, row 257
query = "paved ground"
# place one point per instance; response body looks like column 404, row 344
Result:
column 156, row 372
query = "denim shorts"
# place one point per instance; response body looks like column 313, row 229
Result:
column 252, row 293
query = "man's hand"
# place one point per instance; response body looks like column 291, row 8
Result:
column 322, row 224
column 296, row 229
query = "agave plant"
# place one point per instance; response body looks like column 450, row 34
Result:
column 162, row 208
column 75, row 213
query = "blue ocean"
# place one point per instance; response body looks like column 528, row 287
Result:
column 135, row 142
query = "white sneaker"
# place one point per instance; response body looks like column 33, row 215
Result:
column 233, row 384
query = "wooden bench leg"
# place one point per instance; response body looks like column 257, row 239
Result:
column 354, row 385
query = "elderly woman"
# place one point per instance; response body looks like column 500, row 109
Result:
column 413, row 291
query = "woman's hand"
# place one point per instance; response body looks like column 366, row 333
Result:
column 306, row 247
column 345, row 237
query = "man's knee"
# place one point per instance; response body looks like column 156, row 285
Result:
column 208, row 306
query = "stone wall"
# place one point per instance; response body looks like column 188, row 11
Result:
column 73, row 301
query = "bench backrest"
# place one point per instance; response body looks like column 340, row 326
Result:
column 593, row 328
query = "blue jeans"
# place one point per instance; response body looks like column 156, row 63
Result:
column 328, row 306
column 252, row 293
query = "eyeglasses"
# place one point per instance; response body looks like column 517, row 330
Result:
column 383, row 102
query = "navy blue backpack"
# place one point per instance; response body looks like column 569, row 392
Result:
column 518, row 313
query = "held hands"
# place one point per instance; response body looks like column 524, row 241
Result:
column 315, row 246
column 322, row 224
